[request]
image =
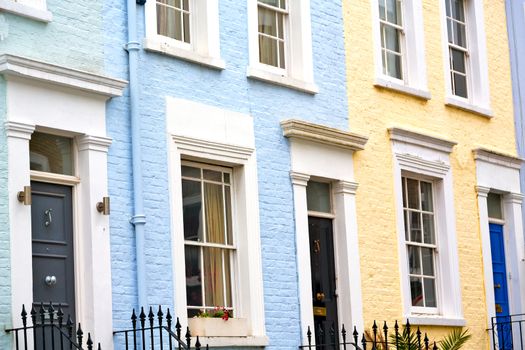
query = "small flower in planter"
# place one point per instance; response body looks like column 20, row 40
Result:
column 217, row 312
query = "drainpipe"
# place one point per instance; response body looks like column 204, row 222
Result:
column 138, row 219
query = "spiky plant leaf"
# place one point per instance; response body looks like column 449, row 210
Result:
column 455, row 339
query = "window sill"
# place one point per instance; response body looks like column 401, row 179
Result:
column 26, row 11
column 456, row 102
column 401, row 88
column 282, row 80
column 430, row 320
column 164, row 47
column 219, row 342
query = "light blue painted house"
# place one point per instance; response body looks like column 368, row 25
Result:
column 187, row 154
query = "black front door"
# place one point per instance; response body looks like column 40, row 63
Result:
column 52, row 237
column 324, row 296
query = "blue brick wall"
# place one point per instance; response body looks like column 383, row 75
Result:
column 229, row 89
column 516, row 28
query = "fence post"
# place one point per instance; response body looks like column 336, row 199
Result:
column 385, row 331
column 151, row 318
column 142, row 318
column 159, row 316
column 134, row 324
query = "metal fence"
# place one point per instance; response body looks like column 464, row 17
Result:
column 508, row 332
column 377, row 339
column 156, row 331
column 47, row 329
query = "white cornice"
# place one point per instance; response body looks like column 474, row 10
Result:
column 345, row 187
column 299, row 179
column 516, row 198
column 17, row 66
column 19, row 130
column 497, row 158
column 482, row 191
column 420, row 165
column 299, row 129
column 93, row 143
column 232, row 153
column 423, row 140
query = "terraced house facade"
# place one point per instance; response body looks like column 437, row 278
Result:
column 300, row 165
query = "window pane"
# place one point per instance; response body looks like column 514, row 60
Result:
column 267, row 22
column 175, row 3
column 460, row 85
column 213, row 277
column 318, row 196
column 494, row 206
column 192, row 208
column 403, row 184
column 228, row 214
column 394, row 65
column 281, row 55
column 268, row 51
column 212, row 175
column 185, row 5
column 193, row 276
column 51, row 153
column 188, row 171
column 458, row 60
column 430, row 292
column 416, row 291
column 426, row 196
column 393, row 11
column 186, row 22
column 382, row 13
column 427, row 255
column 415, row 227
column 270, row 2
column 457, row 10
column 413, row 193
column 214, row 212
column 449, row 31
column 227, row 278
column 428, row 228
column 449, row 11
column 414, row 263
column 226, row 178
column 405, row 217
column 460, row 38
column 168, row 22
column 391, row 38
column 280, row 26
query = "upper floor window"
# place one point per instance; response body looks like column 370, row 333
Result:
column 457, row 46
column 399, row 49
column 280, row 43
column 466, row 72
column 186, row 29
column 33, row 9
column 272, row 16
column 392, row 35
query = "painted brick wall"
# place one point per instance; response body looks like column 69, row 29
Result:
column 516, row 29
column 373, row 110
column 229, row 89
column 72, row 39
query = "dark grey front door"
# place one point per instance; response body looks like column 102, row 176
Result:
column 52, row 234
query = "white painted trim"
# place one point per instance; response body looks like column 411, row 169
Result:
column 298, row 73
column 430, row 320
column 413, row 137
column 17, row 66
column 232, row 146
column 91, row 229
column 204, row 46
column 425, row 155
column 498, row 158
column 219, row 342
column 309, row 141
column 478, row 82
column 390, row 84
column 414, row 81
column 38, row 14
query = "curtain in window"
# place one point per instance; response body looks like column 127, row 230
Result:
column 267, row 46
column 213, row 266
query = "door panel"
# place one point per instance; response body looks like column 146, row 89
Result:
column 322, row 264
column 52, row 247
column 501, row 296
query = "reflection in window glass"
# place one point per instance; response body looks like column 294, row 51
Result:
column 51, row 153
column 494, row 206
column 318, row 197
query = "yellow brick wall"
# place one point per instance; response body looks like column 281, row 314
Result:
column 373, row 110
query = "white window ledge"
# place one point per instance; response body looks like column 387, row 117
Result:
column 164, row 47
column 404, row 89
column 259, row 341
column 26, row 11
column 282, row 80
column 466, row 106
column 428, row 320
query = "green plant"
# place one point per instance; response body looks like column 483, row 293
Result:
column 454, row 340
column 217, row 312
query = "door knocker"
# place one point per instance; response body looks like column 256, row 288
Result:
column 49, row 219
column 317, row 246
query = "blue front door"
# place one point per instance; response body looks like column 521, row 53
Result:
column 501, row 296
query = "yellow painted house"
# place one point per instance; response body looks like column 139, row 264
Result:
column 439, row 203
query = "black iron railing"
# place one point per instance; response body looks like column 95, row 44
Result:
column 47, row 329
column 155, row 331
column 376, row 339
column 508, row 332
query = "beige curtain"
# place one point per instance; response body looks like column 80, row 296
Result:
column 267, row 46
column 214, row 216
column 167, row 23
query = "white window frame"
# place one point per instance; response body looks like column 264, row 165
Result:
column 412, row 43
column 204, row 46
column 478, row 100
column 298, row 73
column 207, row 134
column 33, row 9
column 429, row 157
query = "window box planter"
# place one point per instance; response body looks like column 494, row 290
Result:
column 217, row 327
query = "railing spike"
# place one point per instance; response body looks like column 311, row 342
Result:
column 426, row 341
column 363, row 342
column 356, row 336
column 99, row 347
column 89, row 342
column 188, row 337
column 79, row 335
column 24, row 315
column 435, row 346
column 385, row 332
column 309, row 336
column 197, row 343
